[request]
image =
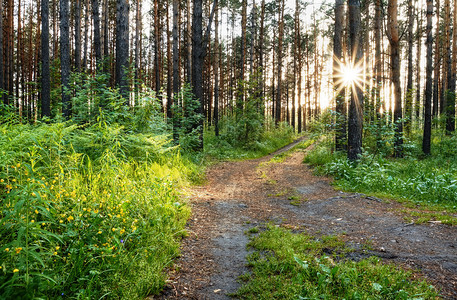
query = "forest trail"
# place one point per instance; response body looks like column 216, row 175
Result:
column 243, row 194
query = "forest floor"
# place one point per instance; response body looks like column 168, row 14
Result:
column 244, row 194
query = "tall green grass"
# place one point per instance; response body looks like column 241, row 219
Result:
column 429, row 181
column 88, row 213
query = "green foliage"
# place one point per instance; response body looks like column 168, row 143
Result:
column 185, row 110
column 295, row 266
column 431, row 181
column 88, row 211
column 269, row 141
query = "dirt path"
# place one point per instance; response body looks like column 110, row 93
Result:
column 241, row 195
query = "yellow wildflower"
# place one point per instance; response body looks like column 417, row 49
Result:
column 18, row 165
column 15, row 270
column 57, row 248
column 33, row 221
column 7, row 249
column 55, row 253
column 122, row 231
column 114, row 229
column 18, row 250
column 99, row 232
column 70, row 218
column 33, row 194
column 61, row 221
column 36, row 211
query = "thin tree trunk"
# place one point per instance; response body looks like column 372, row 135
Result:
column 157, row 46
column 437, row 63
column 409, row 84
column 1, row 51
column 216, row 74
column 45, row 71
column 355, row 121
column 298, row 60
column 280, row 41
column 77, row 36
column 197, row 63
column 418, row 65
column 453, row 77
column 65, row 57
column 97, row 44
column 86, row 34
column 447, row 74
column 169, row 67
column 394, row 40
column 340, row 135
column 426, row 141
column 176, row 81
column 122, row 48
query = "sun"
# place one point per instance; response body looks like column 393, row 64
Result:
column 351, row 75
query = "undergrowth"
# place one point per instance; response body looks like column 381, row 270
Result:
column 87, row 213
column 430, row 182
column 286, row 265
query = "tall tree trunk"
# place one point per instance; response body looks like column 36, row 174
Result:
column 280, row 42
column 418, row 64
column 355, row 121
column 1, row 51
column 240, row 96
column 157, row 46
column 65, row 57
column 197, row 63
column 394, row 39
column 299, row 60
column 45, row 71
column 340, row 135
column 86, row 34
column 453, row 76
column 378, row 60
column 176, row 81
column 122, row 48
column 447, row 72
column 97, row 43
column 169, row 67
column 77, row 36
column 426, row 141
column 105, row 16
column 216, row 74
column 437, row 63
column 189, row 43
column 409, row 84
column 137, row 46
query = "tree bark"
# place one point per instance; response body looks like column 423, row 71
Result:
column 394, row 39
column 97, row 43
column 77, row 36
column 355, row 121
column 197, row 63
column 280, row 54
column 437, row 64
column 340, row 135
column 418, row 64
column 453, row 77
column 45, row 71
column 65, row 57
column 176, row 81
column 449, row 102
column 409, row 84
column 426, row 141
column 216, row 74
column 1, row 53
column 122, row 48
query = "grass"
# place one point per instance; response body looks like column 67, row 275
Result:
column 88, row 213
column 286, row 265
column 427, row 182
column 224, row 148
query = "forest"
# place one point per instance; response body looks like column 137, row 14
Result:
column 130, row 131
